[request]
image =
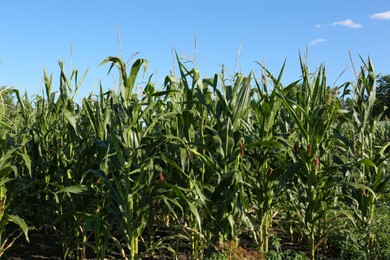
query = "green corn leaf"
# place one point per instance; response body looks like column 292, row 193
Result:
column 8, row 126
column 21, row 223
column 195, row 212
column 3, row 181
column 367, row 162
column 75, row 189
column 79, row 83
column 134, row 72
column 384, row 147
column 27, row 161
column 118, row 152
column 359, row 186
column 176, row 190
column 71, row 119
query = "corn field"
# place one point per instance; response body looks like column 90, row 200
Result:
column 195, row 168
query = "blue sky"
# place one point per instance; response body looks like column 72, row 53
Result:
column 36, row 34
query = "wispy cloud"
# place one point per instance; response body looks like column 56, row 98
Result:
column 318, row 26
column 381, row 16
column 316, row 42
column 348, row 23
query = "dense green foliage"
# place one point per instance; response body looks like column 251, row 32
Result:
column 198, row 165
column 383, row 97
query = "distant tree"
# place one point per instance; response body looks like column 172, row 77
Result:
column 7, row 104
column 383, row 97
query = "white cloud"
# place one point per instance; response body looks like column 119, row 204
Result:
column 316, row 42
column 348, row 23
column 318, row 25
column 381, row 16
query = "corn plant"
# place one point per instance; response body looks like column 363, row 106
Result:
column 267, row 162
column 127, row 172
column 9, row 174
column 184, row 157
column 314, row 116
column 194, row 166
column 367, row 174
column 6, row 168
column 224, row 135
